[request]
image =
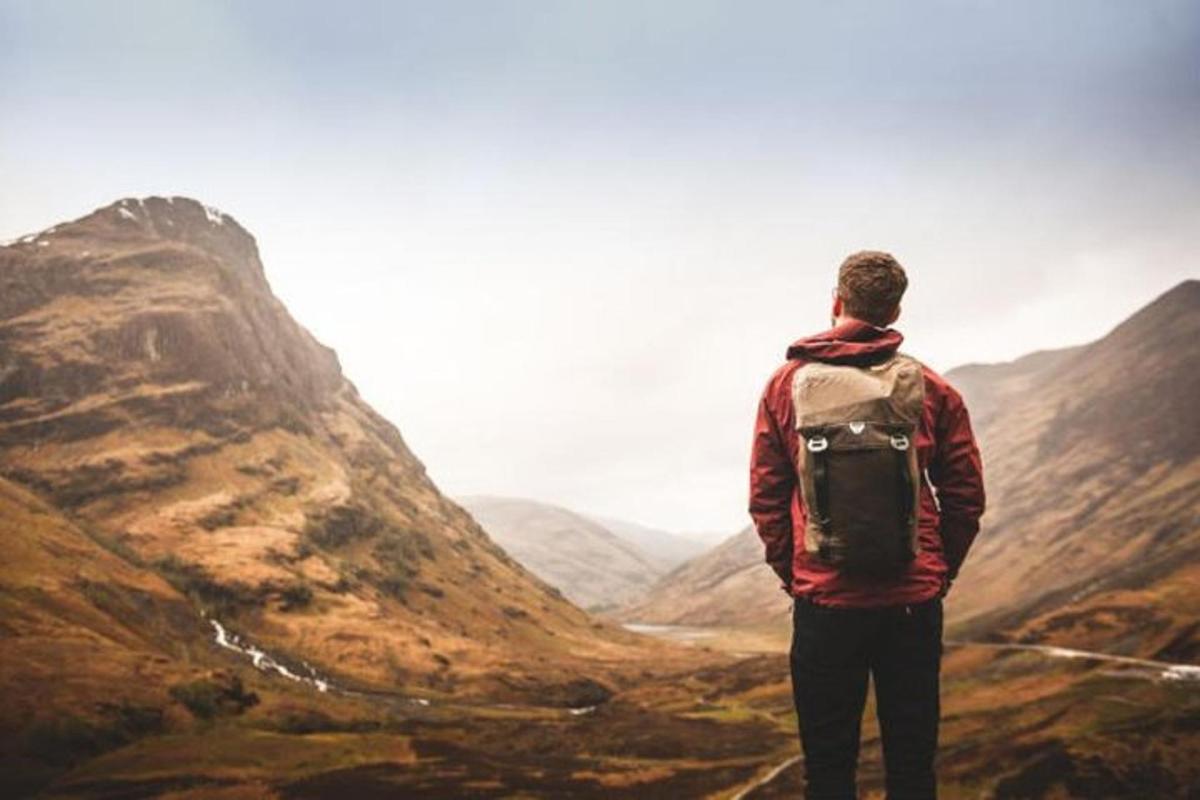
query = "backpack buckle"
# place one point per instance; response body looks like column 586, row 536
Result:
column 899, row 441
column 816, row 444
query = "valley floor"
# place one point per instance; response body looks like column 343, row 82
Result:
column 1018, row 722
column 1023, row 721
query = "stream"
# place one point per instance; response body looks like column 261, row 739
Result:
column 261, row 660
column 264, row 662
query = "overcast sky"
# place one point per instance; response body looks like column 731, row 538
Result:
column 562, row 245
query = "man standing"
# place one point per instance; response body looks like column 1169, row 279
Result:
column 866, row 489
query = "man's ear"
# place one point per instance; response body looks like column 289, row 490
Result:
column 837, row 306
column 894, row 316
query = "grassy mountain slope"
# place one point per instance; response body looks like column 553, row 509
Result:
column 1093, row 465
column 153, row 388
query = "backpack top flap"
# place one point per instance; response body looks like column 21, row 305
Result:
column 891, row 392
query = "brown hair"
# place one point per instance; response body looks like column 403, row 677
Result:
column 871, row 284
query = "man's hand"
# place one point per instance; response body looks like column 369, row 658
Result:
column 784, row 571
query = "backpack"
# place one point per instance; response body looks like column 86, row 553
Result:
column 859, row 477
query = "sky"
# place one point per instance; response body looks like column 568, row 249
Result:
column 562, row 245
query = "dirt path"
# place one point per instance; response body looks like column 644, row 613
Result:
column 775, row 772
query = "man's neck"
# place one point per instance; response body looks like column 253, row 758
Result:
column 844, row 318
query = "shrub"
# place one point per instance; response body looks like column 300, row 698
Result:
column 432, row 591
column 296, row 595
column 208, row 698
column 395, row 584
column 341, row 525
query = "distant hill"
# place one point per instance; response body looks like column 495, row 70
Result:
column 587, row 562
column 665, row 549
column 728, row 585
column 1092, row 535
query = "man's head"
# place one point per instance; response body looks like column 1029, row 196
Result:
column 870, row 285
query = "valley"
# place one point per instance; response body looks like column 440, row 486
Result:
column 227, row 576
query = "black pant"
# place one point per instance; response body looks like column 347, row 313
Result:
column 833, row 649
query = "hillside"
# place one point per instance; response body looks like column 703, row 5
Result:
column 1093, row 528
column 113, row 687
column 78, row 621
column 728, row 585
column 153, row 389
column 1093, row 468
column 588, row 563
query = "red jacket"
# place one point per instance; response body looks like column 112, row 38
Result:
column 946, row 453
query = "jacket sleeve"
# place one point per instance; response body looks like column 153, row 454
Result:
column 957, row 472
column 772, row 482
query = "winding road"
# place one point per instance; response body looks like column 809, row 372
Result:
column 775, row 772
column 1165, row 670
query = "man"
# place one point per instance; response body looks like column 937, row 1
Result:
column 866, row 489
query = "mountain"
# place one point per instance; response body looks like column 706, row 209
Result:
column 1092, row 535
column 587, row 562
column 728, row 585
column 225, row 575
column 1092, row 459
column 664, row 549
column 153, row 389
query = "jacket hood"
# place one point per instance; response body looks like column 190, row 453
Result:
column 852, row 342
